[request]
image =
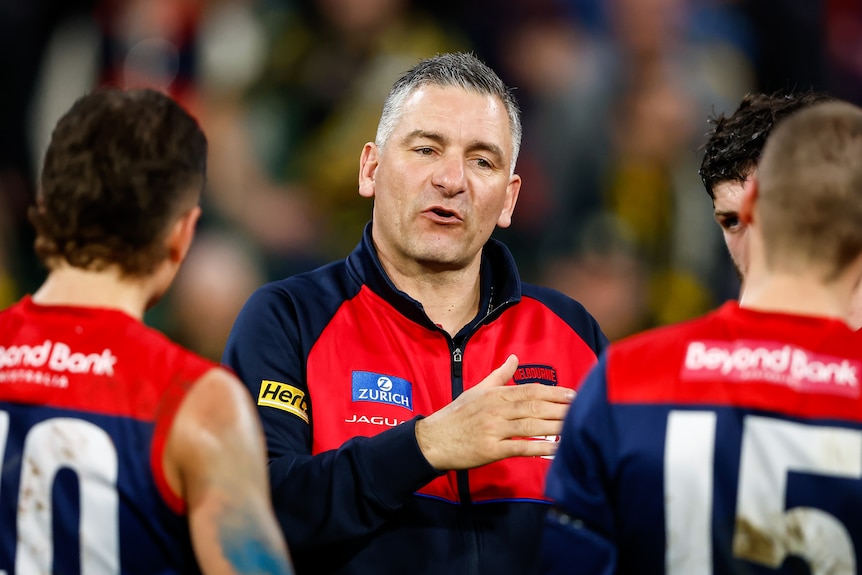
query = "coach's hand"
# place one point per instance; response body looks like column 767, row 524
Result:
column 488, row 422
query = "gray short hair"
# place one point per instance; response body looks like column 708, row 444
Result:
column 459, row 69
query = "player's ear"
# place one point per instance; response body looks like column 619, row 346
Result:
column 750, row 191
column 182, row 234
column 368, row 163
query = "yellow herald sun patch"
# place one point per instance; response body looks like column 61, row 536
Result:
column 284, row 397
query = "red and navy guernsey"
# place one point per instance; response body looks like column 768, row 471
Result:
column 724, row 445
column 87, row 400
column 341, row 365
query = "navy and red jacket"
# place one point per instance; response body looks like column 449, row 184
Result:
column 341, row 364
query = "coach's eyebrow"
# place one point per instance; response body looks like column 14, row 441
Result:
column 491, row 148
column 425, row 134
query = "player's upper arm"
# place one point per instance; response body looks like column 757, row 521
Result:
column 215, row 459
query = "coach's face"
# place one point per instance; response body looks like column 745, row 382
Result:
column 442, row 181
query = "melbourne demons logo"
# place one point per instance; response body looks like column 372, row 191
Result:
column 535, row 373
column 378, row 388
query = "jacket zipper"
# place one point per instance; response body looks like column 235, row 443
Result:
column 462, row 477
column 458, row 388
column 457, row 356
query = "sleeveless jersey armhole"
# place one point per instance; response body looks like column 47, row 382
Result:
column 167, row 411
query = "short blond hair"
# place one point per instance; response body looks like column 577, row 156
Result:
column 810, row 189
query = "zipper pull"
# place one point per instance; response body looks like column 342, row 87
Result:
column 456, row 361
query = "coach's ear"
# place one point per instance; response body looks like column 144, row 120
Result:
column 750, row 191
column 368, row 164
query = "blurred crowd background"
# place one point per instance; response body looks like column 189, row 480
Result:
column 615, row 97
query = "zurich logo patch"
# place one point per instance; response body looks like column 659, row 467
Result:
column 370, row 386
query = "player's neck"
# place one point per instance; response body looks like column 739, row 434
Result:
column 70, row 286
column 798, row 294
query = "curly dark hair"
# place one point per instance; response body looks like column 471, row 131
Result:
column 736, row 141
column 121, row 165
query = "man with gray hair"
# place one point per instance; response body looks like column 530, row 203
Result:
column 412, row 393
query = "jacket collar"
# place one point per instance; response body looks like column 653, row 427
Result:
column 500, row 282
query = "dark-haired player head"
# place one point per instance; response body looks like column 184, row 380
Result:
column 731, row 155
